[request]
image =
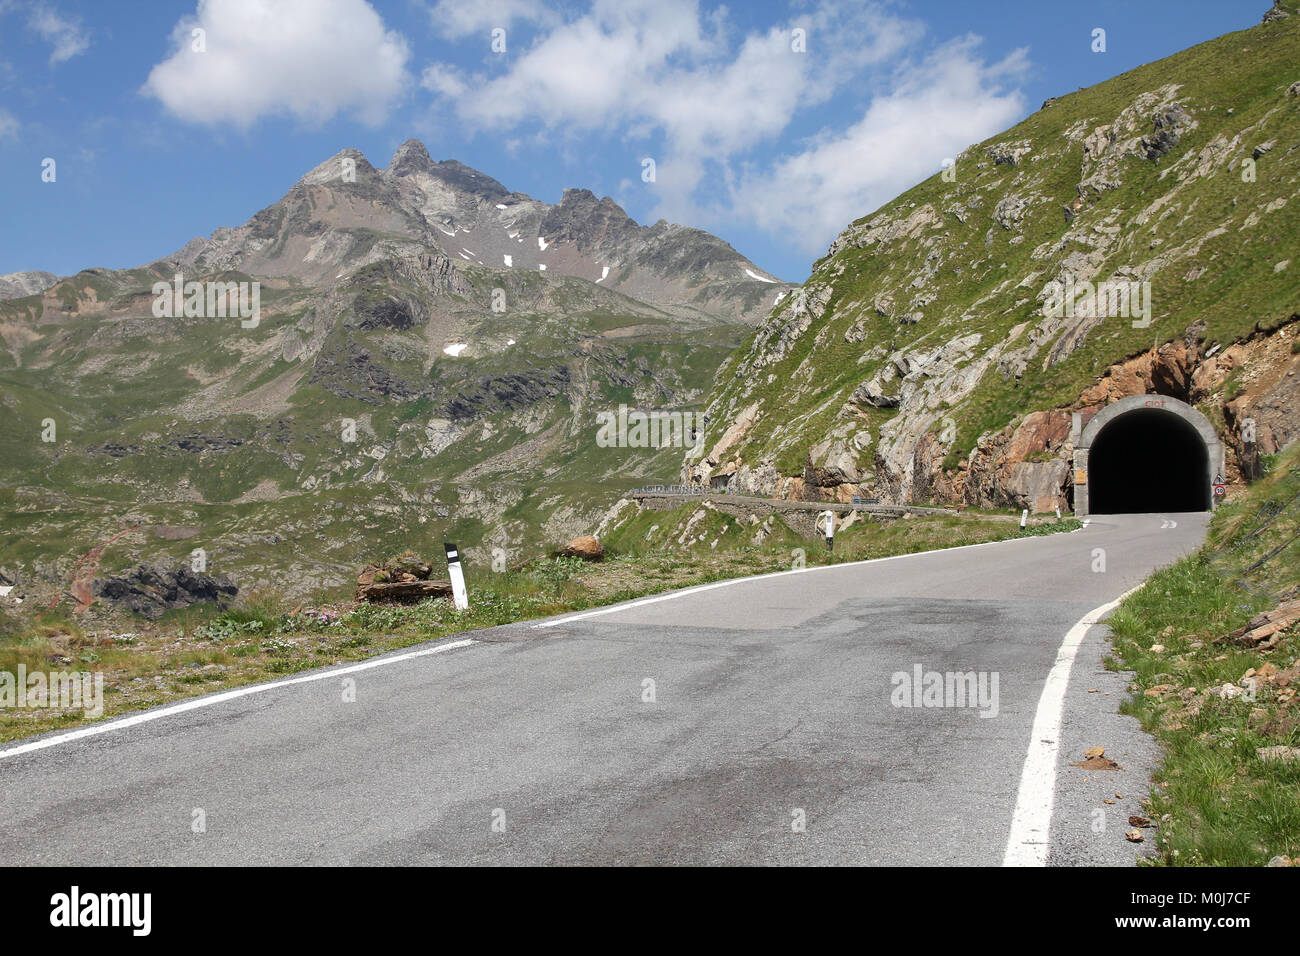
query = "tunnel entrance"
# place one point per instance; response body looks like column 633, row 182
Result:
column 1148, row 460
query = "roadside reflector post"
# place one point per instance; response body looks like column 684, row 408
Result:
column 457, row 575
column 826, row 521
column 1024, row 518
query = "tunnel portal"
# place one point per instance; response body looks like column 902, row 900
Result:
column 1147, row 454
column 1148, row 461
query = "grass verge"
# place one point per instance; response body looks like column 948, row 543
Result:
column 1223, row 706
column 198, row 651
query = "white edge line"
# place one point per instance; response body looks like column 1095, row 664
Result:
column 1028, row 843
column 210, row 700
column 158, row 713
column 615, row 608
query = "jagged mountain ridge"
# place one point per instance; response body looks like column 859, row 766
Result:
column 345, row 213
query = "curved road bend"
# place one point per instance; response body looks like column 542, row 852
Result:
column 771, row 737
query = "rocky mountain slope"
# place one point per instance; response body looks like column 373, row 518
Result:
column 926, row 359
column 427, row 363
column 345, row 214
column 15, row 285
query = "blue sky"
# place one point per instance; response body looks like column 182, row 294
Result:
column 773, row 148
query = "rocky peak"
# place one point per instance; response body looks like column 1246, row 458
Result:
column 417, row 204
column 331, row 171
column 411, row 157
column 586, row 220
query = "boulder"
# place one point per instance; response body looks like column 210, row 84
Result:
column 403, row 592
column 585, row 547
column 404, row 579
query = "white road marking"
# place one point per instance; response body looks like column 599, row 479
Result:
column 1031, row 823
column 145, row 717
column 210, row 700
column 614, row 609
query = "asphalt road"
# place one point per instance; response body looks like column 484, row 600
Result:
column 773, row 735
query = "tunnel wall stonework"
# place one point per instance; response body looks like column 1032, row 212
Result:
column 1085, row 435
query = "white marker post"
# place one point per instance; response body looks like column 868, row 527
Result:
column 827, row 520
column 1024, row 519
column 457, row 577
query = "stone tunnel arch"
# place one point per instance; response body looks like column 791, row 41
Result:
column 1146, row 453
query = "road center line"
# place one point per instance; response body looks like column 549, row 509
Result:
column 158, row 713
column 1028, row 843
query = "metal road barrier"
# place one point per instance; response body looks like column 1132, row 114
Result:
column 670, row 490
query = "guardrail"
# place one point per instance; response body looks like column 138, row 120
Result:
column 670, row 490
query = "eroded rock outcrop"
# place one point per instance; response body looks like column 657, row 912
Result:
column 151, row 589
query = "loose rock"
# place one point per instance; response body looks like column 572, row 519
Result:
column 585, row 547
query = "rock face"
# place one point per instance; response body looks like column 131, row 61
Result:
column 152, row 589
column 939, row 350
column 16, row 285
column 1279, row 11
column 585, row 547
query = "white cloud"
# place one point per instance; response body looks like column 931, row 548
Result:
column 660, row 65
column 67, row 34
column 598, row 68
column 707, row 102
column 8, row 125
column 935, row 110
column 309, row 59
column 443, row 81
column 458, row 18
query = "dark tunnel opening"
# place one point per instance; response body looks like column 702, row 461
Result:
column 1148, row 461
